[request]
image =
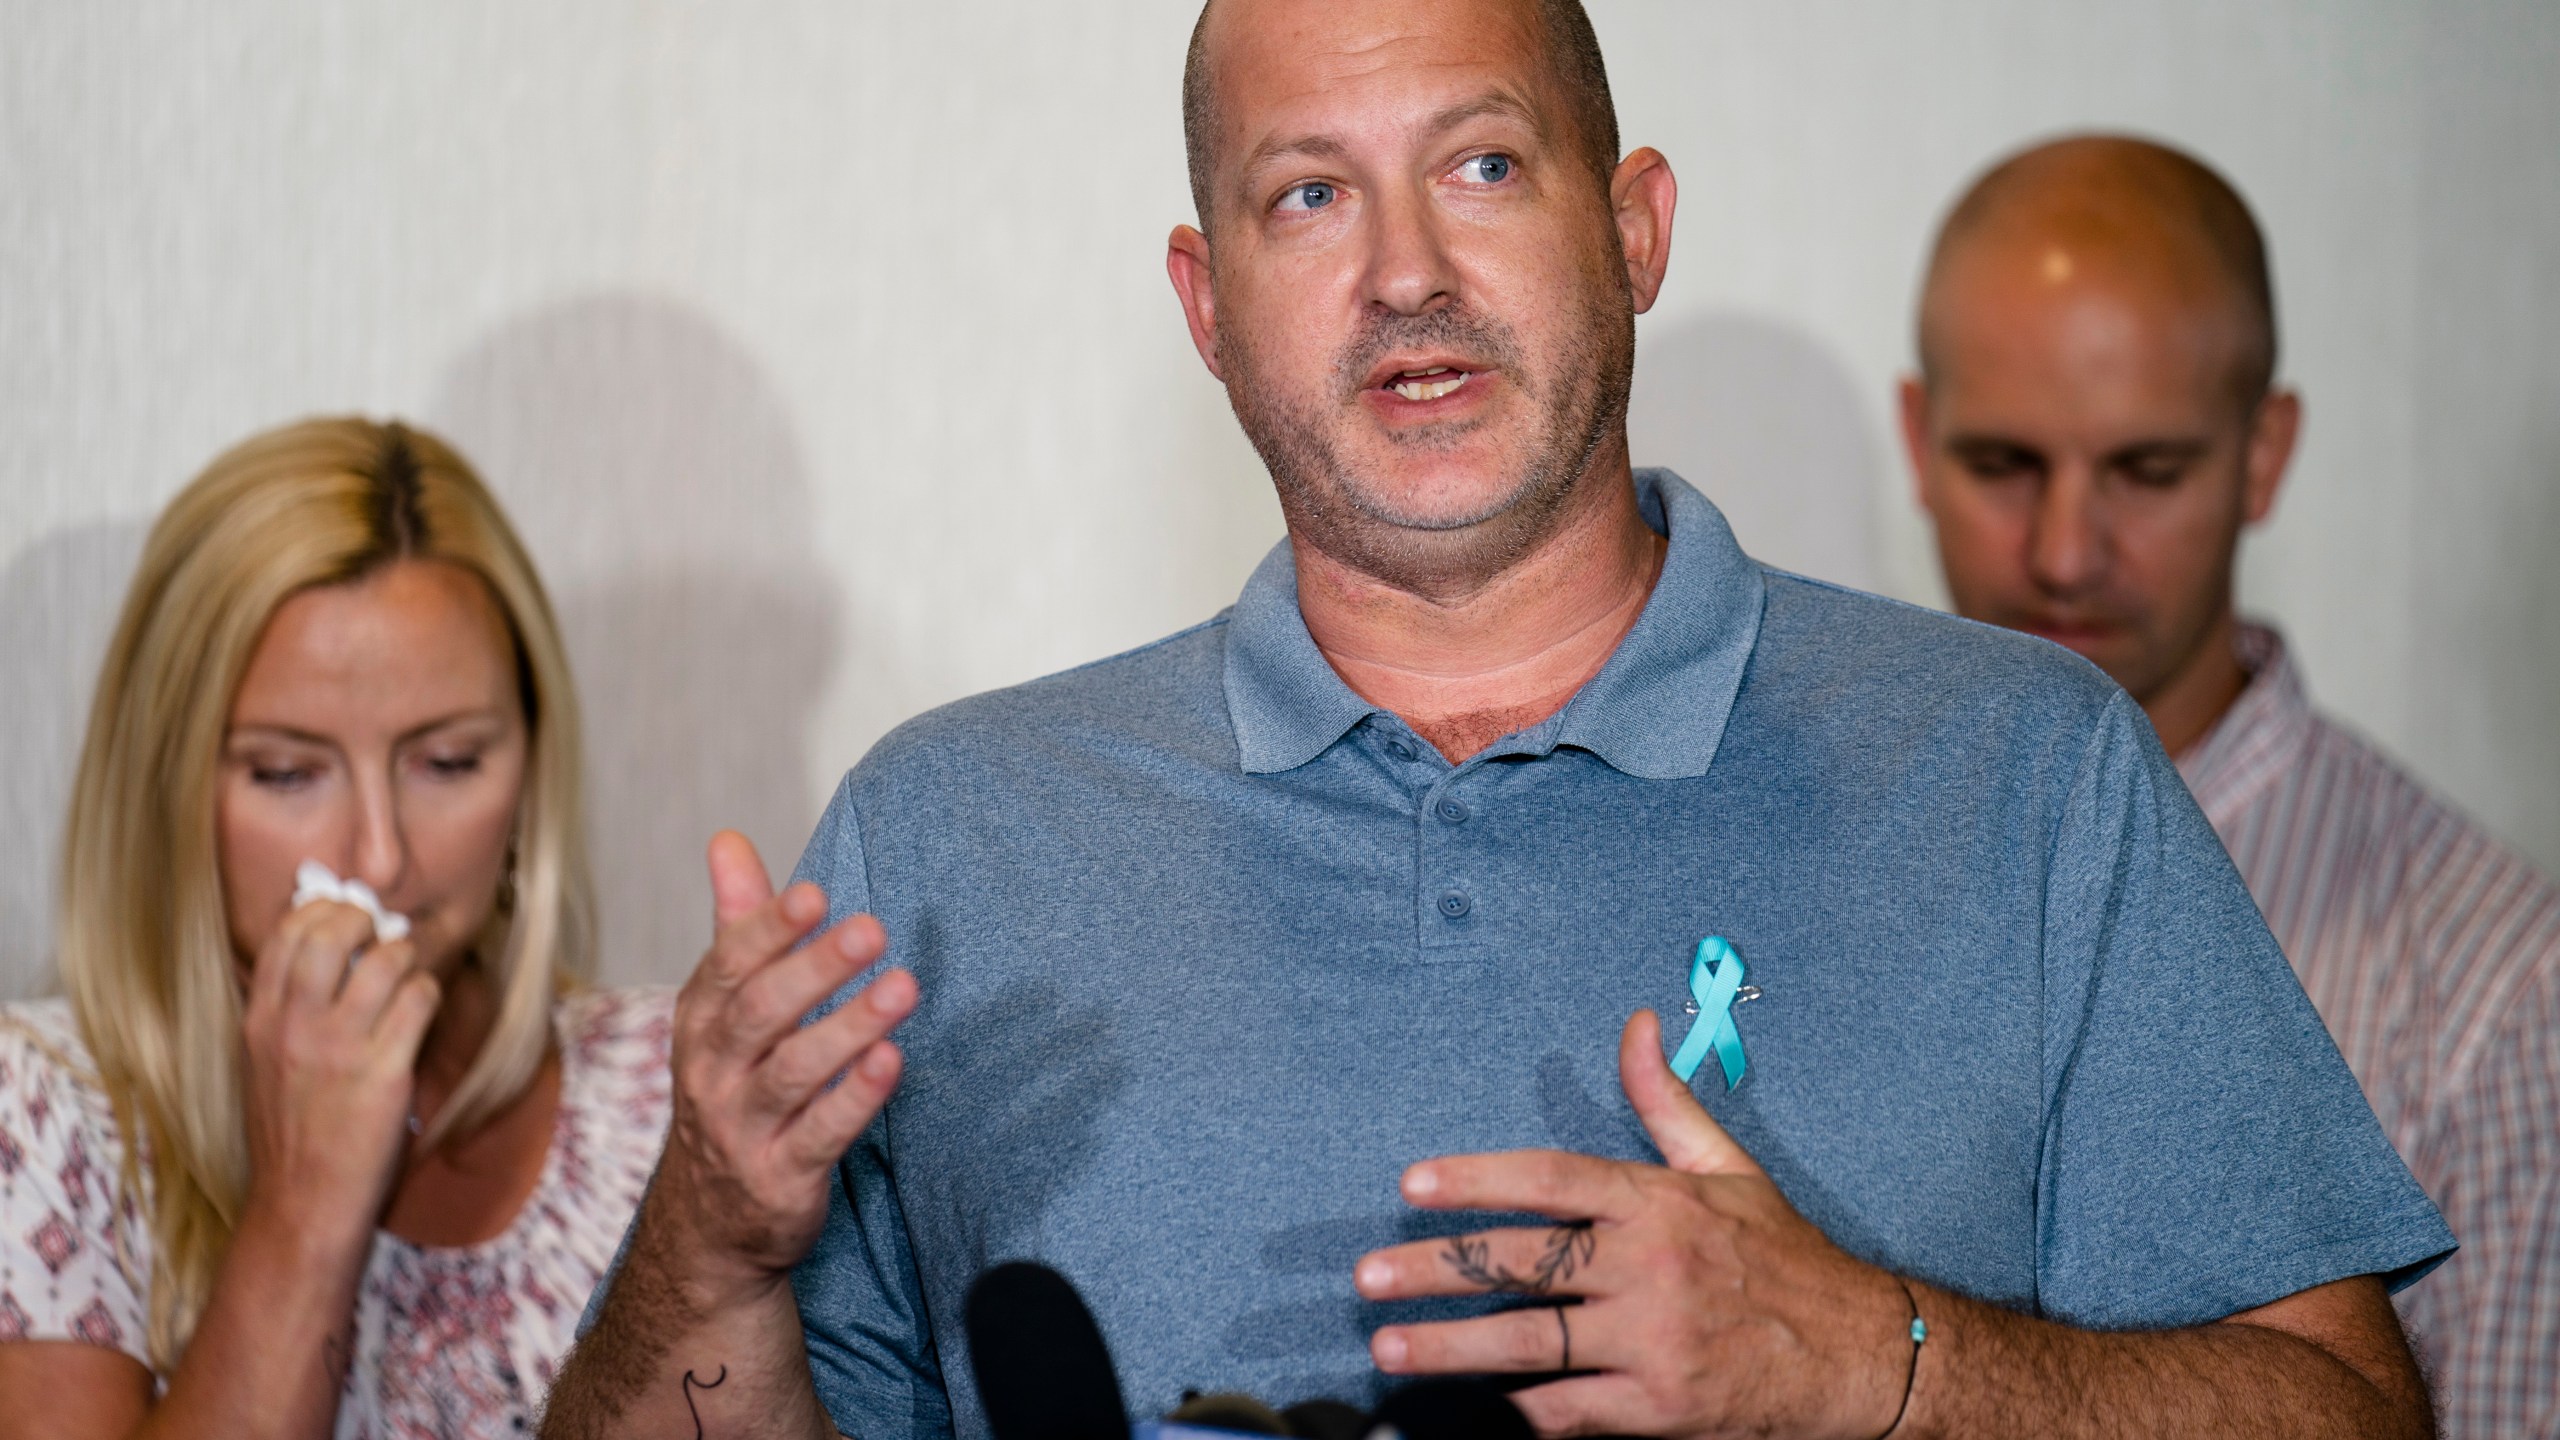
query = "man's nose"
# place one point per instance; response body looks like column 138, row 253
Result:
column 1410, row 269
column 2066, row 540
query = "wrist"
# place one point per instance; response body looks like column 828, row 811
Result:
column 1911, row 1341
column 684, row 1262
column 298, row 1230
column 277, row 1265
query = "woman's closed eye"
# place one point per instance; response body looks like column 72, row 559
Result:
column 282, row 777
column 452, row 766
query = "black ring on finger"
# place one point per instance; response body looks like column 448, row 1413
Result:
column 1565, row 1361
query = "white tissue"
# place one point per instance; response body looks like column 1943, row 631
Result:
column 315, row 881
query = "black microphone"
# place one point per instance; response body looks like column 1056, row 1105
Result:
column 1043, row 1372
column 1453, row 1409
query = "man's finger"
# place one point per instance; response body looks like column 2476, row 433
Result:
column 1554, row 1183
column 1689, row 1138
column 808, row 1057
column 759, row 935
column 777, row 998
column 739, row 882
column 1514, row 1342
column 1556, row 1260
column 819, row 1134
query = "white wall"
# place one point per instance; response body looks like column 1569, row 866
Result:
column 823, row 349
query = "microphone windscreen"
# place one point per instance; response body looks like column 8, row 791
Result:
column 1326, row 1420
column 1241, row 1414
column 1043, row 1372
column 1454, row 1409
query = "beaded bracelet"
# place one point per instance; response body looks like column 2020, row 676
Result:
column 1911, row 1377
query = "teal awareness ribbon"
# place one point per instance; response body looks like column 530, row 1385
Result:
column 1715, row 977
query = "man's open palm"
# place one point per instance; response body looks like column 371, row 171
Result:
column 765, row 1104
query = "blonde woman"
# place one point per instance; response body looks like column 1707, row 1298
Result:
column 279, row 1170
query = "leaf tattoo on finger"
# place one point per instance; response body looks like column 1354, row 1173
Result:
column 1569, row 1248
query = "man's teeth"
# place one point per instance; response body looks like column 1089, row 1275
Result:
column 1429, row 384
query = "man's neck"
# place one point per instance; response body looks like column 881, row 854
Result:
column 1465, row 672
column 2190, row 703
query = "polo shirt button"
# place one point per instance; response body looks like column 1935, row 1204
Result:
column 1452, row 809
column 1455, row 904
column 1399, row 749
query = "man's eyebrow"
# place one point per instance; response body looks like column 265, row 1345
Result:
column 2179, row 448
column 1500, row 104
column 1974, row 442
column 1497, row 103
column 1313, row 147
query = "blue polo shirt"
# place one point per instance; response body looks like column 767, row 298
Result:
column 1211, row 949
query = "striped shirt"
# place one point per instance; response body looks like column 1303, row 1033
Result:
column 2433, row 951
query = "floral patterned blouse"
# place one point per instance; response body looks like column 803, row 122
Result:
column 459, row 1341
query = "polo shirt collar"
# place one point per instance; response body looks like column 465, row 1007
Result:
column 1655, row 711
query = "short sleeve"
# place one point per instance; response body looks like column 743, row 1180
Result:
column 871, row 1347
column 833, row 860
column 2206, row 1150
column 63, row 1271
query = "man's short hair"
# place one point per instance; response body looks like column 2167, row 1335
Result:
column 1573, row 48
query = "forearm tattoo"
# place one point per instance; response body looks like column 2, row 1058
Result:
column 338, row 1354
column 693, row 1382
column 1569, row 1248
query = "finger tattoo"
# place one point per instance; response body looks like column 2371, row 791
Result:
column 1569, row 1248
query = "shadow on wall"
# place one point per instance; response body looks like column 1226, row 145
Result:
column 660, row 484
column 1762, row 419
column 58, row 603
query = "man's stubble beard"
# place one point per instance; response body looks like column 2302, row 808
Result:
column 1580, row 404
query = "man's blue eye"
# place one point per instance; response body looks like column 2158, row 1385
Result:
column 1313, row 195
column 1488, row 169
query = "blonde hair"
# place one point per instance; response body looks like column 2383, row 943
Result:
column 145, row 948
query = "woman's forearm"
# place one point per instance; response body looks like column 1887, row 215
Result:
column 269, row 1357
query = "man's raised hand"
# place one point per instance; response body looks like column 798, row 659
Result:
column 756, row 1129
column 1708, row 1306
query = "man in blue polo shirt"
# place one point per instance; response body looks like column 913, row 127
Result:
column 1242, row 974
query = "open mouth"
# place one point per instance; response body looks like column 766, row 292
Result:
column 1428, row 384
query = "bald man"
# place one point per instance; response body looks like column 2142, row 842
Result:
column 1291, row 984
column 2094, row 426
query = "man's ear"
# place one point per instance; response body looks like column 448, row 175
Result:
column 1186, row 262
column 2272, row 433
column 1915, row 437
column 1642, row 195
